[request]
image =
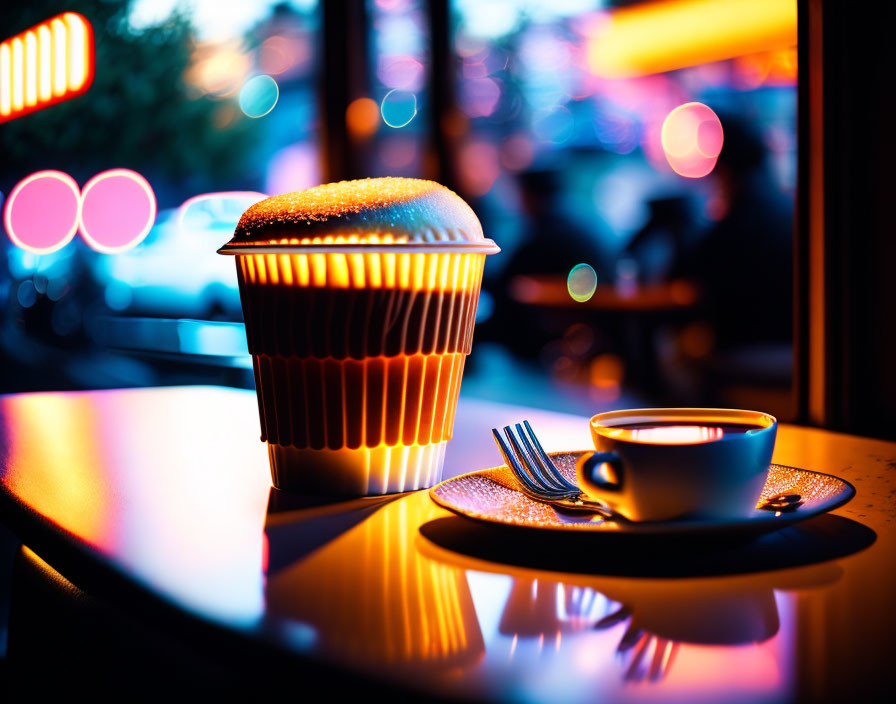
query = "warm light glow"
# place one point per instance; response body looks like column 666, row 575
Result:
column 18, row 75
column 385, row 368
column 45, row 42
column 30, row 69
column 607, row 371
column 47, row 63
column 656, row 37
column 692, row 139
column 77, row 51
column 362, row 117
column 59, row 57
column 62, row 479
column 41, row 213
column 375, row 599
column 5, row 80
column 433, row 271
column 669, row 434
column 118, row 209
column 769, row 68
column 406, row 400
column 83, row 462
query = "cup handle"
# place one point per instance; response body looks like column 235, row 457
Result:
column 589, row 466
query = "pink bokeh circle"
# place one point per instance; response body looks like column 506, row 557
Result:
column 118, row 209
column 41, row 213
column 692, row 138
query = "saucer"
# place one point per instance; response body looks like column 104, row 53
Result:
column 492, row 496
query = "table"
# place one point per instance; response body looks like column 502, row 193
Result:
column 632, row 312
column 159, row 499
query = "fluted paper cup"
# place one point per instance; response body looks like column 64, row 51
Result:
column 358, row 358
column 359, row 299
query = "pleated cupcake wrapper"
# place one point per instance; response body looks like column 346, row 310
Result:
column 347, row 321
column 361, row 472
column 381, row 401
column 358, row 361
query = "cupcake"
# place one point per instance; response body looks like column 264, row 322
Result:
column 359, row 299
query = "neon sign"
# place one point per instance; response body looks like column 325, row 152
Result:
column 114, row 211
column 118, row 209
column 41, row 213
column 48, row 63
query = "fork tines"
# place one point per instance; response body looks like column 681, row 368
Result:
column 530, row 464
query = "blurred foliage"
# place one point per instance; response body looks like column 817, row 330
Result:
column 139, row 113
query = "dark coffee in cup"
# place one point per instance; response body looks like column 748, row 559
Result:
column 657, row 464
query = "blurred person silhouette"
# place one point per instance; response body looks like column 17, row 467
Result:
column 552, row 244
column 663, row 241
column 744, row 265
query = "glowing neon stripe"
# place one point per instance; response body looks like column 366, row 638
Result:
column 18, row 77
column 5, row 80
column 45, row 44
column 30, row 69
column 659, row 36
column 48, row 63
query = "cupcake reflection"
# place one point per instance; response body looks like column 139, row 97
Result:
column 376, row 601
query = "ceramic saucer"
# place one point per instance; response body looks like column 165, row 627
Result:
column 493, row 496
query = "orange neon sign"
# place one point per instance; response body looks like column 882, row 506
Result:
column 48, row 63
column 655, row 37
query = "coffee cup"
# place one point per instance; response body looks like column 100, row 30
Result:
column 660, row 464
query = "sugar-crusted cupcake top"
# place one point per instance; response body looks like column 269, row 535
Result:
column 368, row 211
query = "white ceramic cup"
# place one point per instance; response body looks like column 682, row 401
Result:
column 691, row 469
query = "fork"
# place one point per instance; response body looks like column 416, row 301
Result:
column 539, row 477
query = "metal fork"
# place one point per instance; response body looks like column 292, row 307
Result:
column 539, row 477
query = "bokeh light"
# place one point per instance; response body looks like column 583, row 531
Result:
column 218, row 68
column 398, row 152
column 362, row 117
column 517, row 152
column 258, row 96
column 478, row 167
column 41, row 213
column 480, row 96
column 400, row 71
column 581, row 282
column 277, row 54
column 398, row 108
column 118, row 209
column 692, row 139
column 221, row 211
column 293, row 168
column 554, row 126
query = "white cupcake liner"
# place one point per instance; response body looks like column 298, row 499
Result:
column 360, row 472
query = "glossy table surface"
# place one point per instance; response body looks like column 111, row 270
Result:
column 168, row 491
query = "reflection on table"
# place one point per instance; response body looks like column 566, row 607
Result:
column 170, row 489
column 380, row 595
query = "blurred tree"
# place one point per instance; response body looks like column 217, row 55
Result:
column 139, row 113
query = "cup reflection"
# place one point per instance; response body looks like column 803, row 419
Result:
column 375, row 600
column 654, row 618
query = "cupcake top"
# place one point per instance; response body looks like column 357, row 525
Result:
column 374, row 211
